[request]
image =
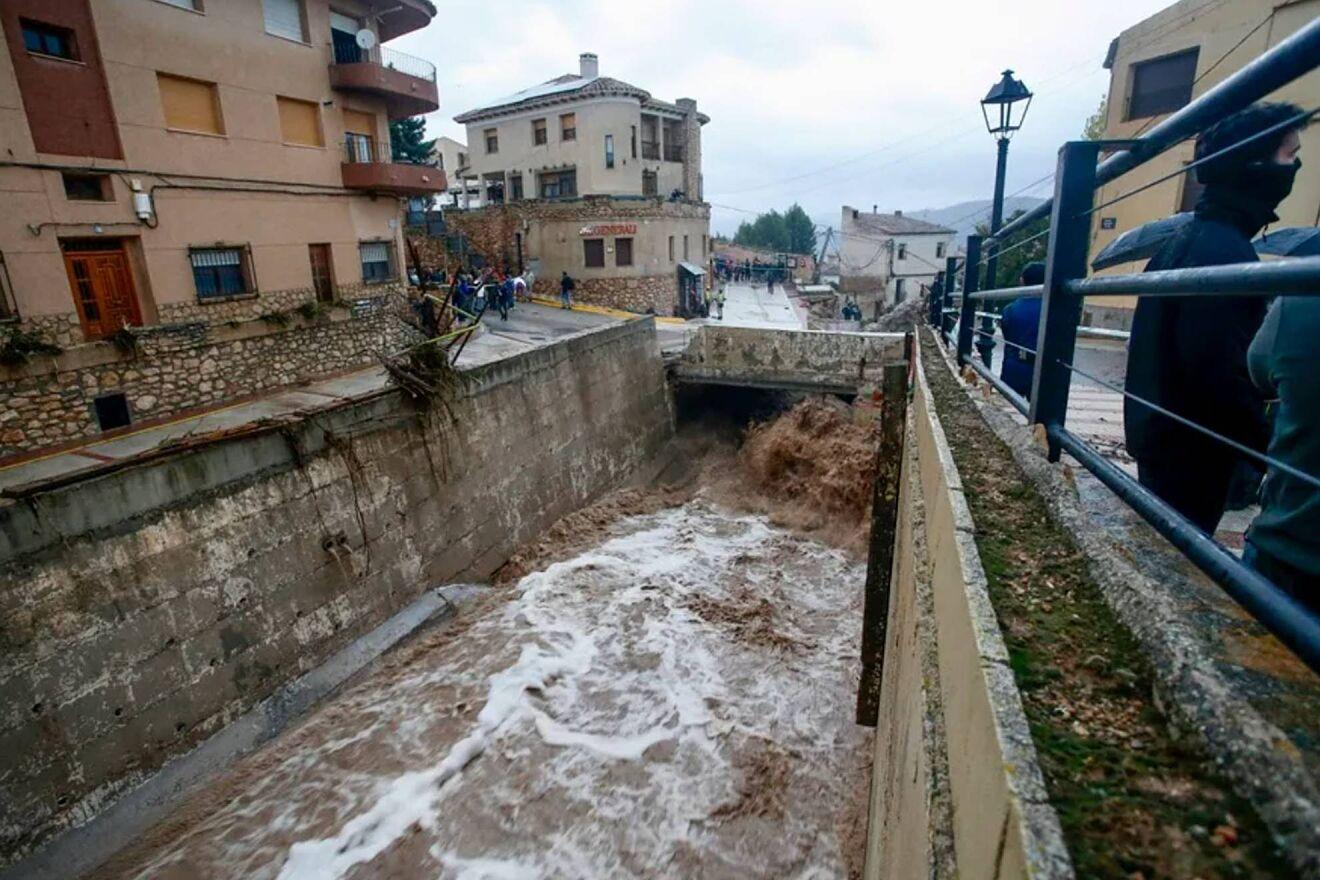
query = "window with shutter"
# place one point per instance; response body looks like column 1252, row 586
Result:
column 1162, row 85
column 300, row 122
column 377, row 261
column 218, row 272
column 190, row 104
column 623, row 255
column 284, row 18
column 593, row 252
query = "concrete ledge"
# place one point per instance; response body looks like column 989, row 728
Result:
column 1002, row 823
column 775, row 358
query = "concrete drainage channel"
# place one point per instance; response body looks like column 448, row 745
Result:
column 667, row 688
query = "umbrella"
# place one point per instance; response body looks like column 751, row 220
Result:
column 1141, row 243
column 1294, row 241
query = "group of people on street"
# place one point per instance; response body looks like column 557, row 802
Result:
column 714, row 300
column 1239, row 366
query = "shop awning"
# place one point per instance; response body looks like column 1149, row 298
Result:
column 691, row 269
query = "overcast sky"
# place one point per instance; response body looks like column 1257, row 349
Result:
column 823, row 102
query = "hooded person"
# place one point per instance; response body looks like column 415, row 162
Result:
column 1189, row 354
column 1019, row 324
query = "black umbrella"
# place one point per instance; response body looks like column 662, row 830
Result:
column 1294, row 241
column 1141, row 243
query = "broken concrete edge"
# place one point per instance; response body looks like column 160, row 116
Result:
column 129, row 492
column 82, row 848
column 1002, row 813
column 1189, row 684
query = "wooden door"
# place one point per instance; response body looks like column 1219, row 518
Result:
column 322, row 279
column 103, row 291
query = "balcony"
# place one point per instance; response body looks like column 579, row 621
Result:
column 406, row 83
column 368, row 167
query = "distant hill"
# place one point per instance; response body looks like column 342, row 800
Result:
column 957, row 216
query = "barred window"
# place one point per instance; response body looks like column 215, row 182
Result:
column 623, row 252
column 220, row 272
column 377, row 261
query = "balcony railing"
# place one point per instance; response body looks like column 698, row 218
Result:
column 650, row 150
column 673, row 152
column 347, row 52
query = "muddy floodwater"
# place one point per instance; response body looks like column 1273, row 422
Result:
column 676, row 701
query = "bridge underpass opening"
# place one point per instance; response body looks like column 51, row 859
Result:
column 661, row 683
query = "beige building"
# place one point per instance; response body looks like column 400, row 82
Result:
column 1158, row 66
column 451, row 157
column 593, row 176
column 884, row 259
column 197, row 180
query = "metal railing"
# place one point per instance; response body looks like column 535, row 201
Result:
column 350, row 53
column 673, row 152
column 650, row 150
column 1078, row 176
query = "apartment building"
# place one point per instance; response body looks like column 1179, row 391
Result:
column 1158, row 66
column 451, row 157
column 601, row 180
column 200, row 202
column 886, row 258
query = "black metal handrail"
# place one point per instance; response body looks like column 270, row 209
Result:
column 1078, row 176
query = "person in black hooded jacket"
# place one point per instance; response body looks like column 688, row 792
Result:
column 1189, row 354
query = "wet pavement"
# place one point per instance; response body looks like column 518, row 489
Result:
column 674, row 701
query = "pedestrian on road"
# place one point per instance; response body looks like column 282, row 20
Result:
column 566, row 291
column 1283, row 543
column 505, row 298
column 1189, row 354
column 1019, row 324
column 719, row 301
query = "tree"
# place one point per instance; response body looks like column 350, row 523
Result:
column 406, row 144
column 1014, row 259
column 790, row 232
column 801, row 231
column 1094, row 129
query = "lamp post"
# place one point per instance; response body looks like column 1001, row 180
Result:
column 1002, row 120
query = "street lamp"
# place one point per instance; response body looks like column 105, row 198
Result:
column 1002, row 119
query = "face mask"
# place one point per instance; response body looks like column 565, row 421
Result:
column 1271, row 182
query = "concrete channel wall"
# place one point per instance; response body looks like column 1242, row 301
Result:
column 143, row 609
column 954, row 762
column 805, row 360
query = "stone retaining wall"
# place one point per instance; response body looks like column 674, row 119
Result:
column 143, row 609
column 180, row 366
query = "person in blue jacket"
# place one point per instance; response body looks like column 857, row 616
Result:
column 1019, row 324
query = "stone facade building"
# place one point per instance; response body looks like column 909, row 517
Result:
column 592, row 176
column 200, row 202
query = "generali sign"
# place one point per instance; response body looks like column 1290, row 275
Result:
column 603, row 229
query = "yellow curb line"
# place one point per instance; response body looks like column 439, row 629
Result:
column 606, row 310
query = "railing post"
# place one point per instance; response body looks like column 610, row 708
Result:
column 1069, row 246
column 936, row 296
column 967, row 318
column 950, row 281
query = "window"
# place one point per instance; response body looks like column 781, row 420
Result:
column 220, row 272
column 609, row 151
column 87, row 187
column 650, row 184
column 902, row 251
column 515, row 187
column 685, row 247
column 900, row 293
column 190, row 105
column 194, row 5
column 462, row 160
column 47, row 39
column 568, row 127
column 492, row 140
column 650, row 137
column 593, row 252
column 623, row 251
column 8, row 307
column 300, row 122
column 559, row 184
column 671, row 249
column 538, row 132
column 632, row 143
column 377, row 261
column 939, row 249
column 1162, row 85
column 703, row 246
column 284, row 18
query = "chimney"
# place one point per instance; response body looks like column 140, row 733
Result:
column 898, row 213
column 589, row 65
